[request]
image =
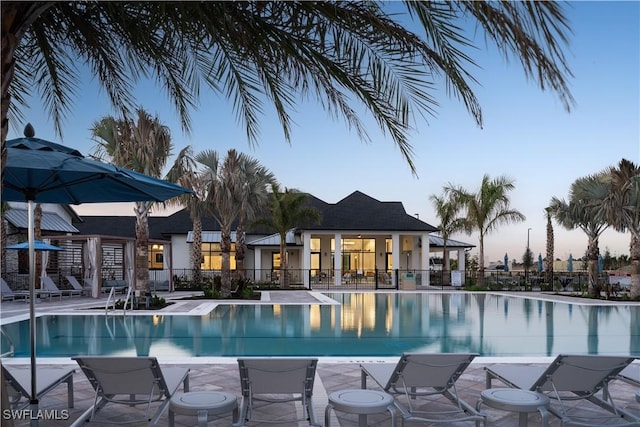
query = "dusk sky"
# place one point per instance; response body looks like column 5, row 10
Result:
column 527, row 136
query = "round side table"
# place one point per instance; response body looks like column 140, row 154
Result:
column 516, row 400
column 361, row 402
column 203, row 404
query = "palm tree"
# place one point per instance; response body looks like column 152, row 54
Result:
column 143, row 145
column 254, row 198
column 4, row 207
column 621, row 206
column 581, row 212
column 288, row 209
column 447, row 209
column 549, row 256
column 185, row 173
column 343, row 53
column 486, row 210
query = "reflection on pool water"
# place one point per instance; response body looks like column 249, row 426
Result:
column 365, row 324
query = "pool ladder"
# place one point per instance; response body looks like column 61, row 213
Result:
column 5, row 336
column 111, row 303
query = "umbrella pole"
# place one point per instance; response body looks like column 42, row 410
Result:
column 32, row 314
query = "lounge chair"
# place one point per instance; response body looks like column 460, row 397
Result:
column 130, row 381
column 50, row 286
column 631, row 375
column 277, row 380
column 19, row 384
column 421, row 375
column 570, row 378
column 77, row 286
column 10, row 294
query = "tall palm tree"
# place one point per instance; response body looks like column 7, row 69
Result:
column 447, row 210
column 548, row 269
column 622, row 210
column 581, row 212
column 184, row 172
column 341, row 53
column 254, row 198
column 486, row 210
column 288, row 209
column 224, row 181
column 143, row 145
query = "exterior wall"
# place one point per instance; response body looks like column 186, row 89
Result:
column 181, row 251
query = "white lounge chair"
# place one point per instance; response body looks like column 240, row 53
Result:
column 567, row 378
column 277, row 380
column 50, row 286
column 77, row 286
column 130, row 381
column 19, row 383
column 422, row 375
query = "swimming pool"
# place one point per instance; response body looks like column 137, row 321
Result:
column 365, row 324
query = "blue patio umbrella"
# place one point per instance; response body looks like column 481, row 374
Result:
column 539, row 263
column 600, row 264
column 38, row 245
column 40, row 171
column 570, row 264
column 506, row 262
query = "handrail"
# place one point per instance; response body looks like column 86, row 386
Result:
column 111, row 294
column 11, row 346
column 126, row 301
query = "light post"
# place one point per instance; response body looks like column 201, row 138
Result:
column 528, row 230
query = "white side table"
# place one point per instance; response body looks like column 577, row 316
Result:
column 361, row 402
column 203, row 404
column 516, row 400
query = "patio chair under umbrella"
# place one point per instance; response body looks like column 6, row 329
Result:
column 39, row 171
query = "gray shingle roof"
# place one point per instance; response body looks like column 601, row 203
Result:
column 356, row 212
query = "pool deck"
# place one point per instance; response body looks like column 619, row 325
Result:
column 222, row 373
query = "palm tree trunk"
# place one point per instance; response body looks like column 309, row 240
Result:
column 481, row 262
column 225, row 248
column 283, row 261
column 446, row 274
column 240, row 250
column 196, row 250
column 592, row 268
column 37, row 235
column 634, row 248
column 142, row 247
column 549, row 258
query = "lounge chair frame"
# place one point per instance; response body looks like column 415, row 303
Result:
column 420, row 375
column 130, row 381
column 49, row 285
column 570, row 378
column 77, row 286
column 19, row 380
column 277, row 380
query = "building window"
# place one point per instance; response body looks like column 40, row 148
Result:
column 156, row 257
column 212, row 256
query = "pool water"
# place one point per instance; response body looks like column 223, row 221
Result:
column 364, row 324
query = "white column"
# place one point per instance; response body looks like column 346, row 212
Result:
column 395, row 254
column 425, row 259
column 461, row 265
column 337, row 260
column 306, row 258
column 257, row 264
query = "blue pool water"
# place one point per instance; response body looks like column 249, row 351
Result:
column 365, row 324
